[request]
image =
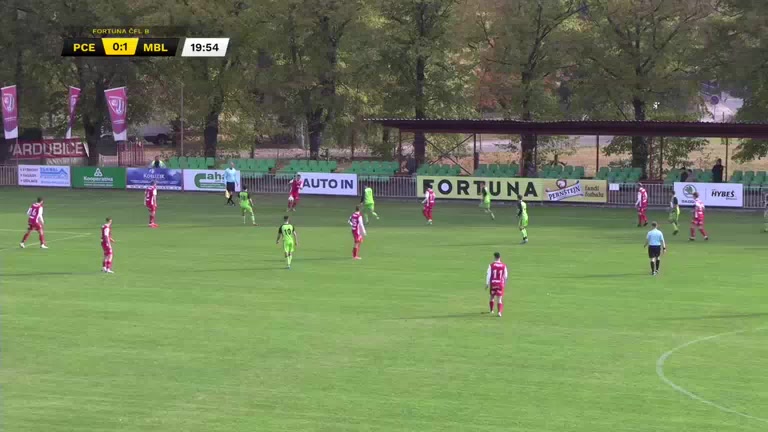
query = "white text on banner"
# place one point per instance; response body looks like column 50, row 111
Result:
column 329, row 184
column 711, row 194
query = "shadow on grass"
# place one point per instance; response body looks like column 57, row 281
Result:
column 604, row 276
column 41, row 274
column 452, row 316
column 706, row 317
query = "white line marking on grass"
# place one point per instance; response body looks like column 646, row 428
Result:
column 22, row 230
column 664, row 357
column 56, row 240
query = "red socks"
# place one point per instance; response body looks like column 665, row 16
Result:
column 355, row 251
column 701, row 230
column 151, row 218
column 26, row 236
column 42, row 238
column 501, row 307
column 490, row 305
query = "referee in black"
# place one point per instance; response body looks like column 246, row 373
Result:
column 656, row 245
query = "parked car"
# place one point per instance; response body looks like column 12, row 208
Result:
column 158, row 134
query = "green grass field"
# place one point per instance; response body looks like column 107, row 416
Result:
column 203, row 329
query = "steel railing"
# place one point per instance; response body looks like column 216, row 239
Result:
column 9, row 175
column 405, row 187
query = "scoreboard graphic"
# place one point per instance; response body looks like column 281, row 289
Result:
column 145, row 47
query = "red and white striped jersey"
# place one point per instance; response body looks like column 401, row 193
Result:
column 35, row 214
column 106, row 234
column 497, row 275
column 296, row 186
column 429, row 198
column 356, row 222
column 150, row 196
column 642, row 197
column 698, row 209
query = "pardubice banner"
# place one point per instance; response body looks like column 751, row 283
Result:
column 44, row 175
column 98, row 177
column 205, row 181
column 49, row 149
column 507, row 189
column 711, row 194
column 328, row 184
column 141, row 178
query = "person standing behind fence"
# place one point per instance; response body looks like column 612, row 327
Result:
column 230, row 178
column 157, row 163
column 717, row 171
column 656, row 245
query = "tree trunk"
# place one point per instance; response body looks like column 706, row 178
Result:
column 419, row 140
column 315, row 130
column 93, row 120
column 211, row 131
column 315, row 141
column 385, row 138
column 639, row 147
column 527, row 141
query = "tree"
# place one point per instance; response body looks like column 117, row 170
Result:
column 423, row 55
column 307, row 41
column 524, row 47
column 734, row 40
column 641, row 52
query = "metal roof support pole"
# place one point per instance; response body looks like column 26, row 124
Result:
column 597, row 154
column 661, row 157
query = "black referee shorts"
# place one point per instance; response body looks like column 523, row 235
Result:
column 654, row 251
column 230, row 187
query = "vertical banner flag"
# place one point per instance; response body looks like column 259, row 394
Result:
column 10, row 112
column 74, row 96
column 117, row 102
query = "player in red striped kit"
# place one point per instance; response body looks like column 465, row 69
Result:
column 429, row 204
column 358, row 231
column 642, row 205
column 495, row 281
column 150, row 200
column 698, row 218
column 293, row 198
column 35, row 223
column 106, row 246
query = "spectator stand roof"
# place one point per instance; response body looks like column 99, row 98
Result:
column 605, row 128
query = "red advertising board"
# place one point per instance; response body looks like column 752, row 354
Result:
column 49, row 149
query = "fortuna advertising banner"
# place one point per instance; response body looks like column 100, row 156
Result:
column 507, row 189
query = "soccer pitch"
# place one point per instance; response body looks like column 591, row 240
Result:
column 203, row 329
